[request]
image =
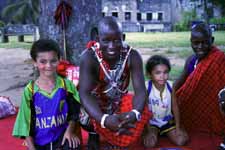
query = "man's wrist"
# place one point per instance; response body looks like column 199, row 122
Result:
column 137, row 114
column 103, row 120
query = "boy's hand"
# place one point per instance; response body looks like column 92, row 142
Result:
column 73, row 140
column 70, row 135
column 30, row 143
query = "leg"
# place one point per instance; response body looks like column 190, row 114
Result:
column 180, row 139
column 93, row 137
column 93, row 141
column 150, row 136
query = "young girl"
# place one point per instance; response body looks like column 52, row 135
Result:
column 165, row 118
column 50, row 104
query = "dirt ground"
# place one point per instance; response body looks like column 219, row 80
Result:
column 16, row 70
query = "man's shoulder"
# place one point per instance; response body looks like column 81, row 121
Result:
column 134, row 51
column 134, row 54
column 218, row 51
column 87, row 55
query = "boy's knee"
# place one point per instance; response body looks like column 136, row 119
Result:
column 150, row 144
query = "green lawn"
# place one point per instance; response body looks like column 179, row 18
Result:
column 166, row 39
column 13, row 43
column 137, row 39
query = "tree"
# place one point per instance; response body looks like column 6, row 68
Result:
column 221, row 4
column 82, row 23
column 208, row 7
column 23, row 11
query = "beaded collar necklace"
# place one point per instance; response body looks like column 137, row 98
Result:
column 105, row 66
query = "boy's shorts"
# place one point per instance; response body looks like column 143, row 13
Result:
column 165, row 128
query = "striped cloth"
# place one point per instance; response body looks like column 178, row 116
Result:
column 125, row 140
column 197, row 97
column 6, row 107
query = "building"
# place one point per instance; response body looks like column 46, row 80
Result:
column 155, row 15
column 143, row 15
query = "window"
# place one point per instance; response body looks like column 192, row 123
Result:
column 115, row 14
column 160, row 16
column 127, row 15
column 149, row 16
column 139, row 16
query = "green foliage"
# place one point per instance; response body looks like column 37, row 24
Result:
column 217, row 20
column 23, row 11
column 219, row 3
column 2, row 24
column 175, row 72
column 187, row 17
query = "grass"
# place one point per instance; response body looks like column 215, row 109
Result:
column 175, row 72
column 137, row 39
column 13, row 43
column 166, row 39
column 181, row 53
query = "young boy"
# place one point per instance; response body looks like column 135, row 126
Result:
column 197, row 88
column 50, row 104
column 105, row 71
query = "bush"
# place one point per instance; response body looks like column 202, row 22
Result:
column 2, row 24
column 184, row 23
column 218, row 22
column 180, row 26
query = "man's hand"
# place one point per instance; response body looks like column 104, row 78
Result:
column 127, row 121
column 127, row 118
column 121, row 123
column 112, row 122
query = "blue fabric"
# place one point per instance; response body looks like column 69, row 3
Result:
column 150, row 86
column 191, row 65
column 51, row 116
